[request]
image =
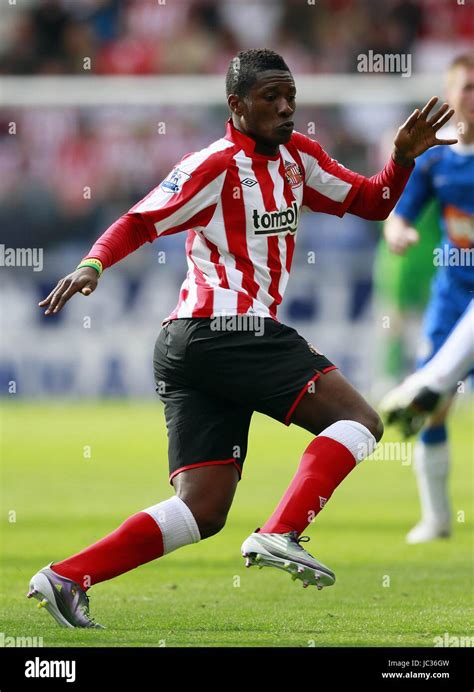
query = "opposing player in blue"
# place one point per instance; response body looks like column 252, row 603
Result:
column 447, row 175
column 423, row 392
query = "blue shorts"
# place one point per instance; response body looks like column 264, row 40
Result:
column 448, row 301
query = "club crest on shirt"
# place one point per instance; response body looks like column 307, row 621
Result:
column 293, row 173
column 174, row 181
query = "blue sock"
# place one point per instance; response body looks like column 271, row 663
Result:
column 435, row 435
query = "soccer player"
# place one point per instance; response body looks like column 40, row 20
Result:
column 222, row 354
column 447, row 175
column 409, row 404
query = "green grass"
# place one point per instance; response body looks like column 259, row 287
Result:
column 202, row 595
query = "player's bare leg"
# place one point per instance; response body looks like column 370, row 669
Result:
column 348, row 429
column 208, row 491
column 333, row 399
column 198, row 510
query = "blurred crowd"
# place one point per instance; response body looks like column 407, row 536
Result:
column 80, row 168
column 200, row 36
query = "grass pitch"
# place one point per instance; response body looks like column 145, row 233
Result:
column 73, row 473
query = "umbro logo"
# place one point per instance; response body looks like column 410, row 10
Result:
column 249, row 182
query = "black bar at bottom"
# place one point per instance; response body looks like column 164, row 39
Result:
column 96, row 668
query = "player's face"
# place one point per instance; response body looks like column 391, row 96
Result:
column 461, row 94
column 266, row 112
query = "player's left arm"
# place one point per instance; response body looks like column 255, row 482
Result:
column 378, row 195
column 334, row 189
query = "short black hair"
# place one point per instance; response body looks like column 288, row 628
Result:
column 242, row 71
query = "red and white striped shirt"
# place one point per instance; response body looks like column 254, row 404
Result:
column 241, row 212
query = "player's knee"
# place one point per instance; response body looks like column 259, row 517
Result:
column 210, row 523
column 374, row 423
column 369, row 418
column 209, row 519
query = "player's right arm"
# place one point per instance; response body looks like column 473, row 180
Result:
column 83, row 280
column 123, row 237
column 187, row 198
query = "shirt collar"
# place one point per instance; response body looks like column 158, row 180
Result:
column 245, row 142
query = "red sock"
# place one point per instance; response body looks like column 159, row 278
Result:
column 137, row 541
column 325, row 463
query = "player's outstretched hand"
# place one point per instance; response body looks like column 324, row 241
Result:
column 418, row 132
column 82, row 280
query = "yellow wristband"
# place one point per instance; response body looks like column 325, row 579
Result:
column 91, row 262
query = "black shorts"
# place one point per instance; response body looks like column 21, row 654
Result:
column 213, row 373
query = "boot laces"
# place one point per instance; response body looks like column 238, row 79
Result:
column 85, row 609
column 302, row 539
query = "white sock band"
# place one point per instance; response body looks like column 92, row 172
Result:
column 356, row 437
column 176, row 523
